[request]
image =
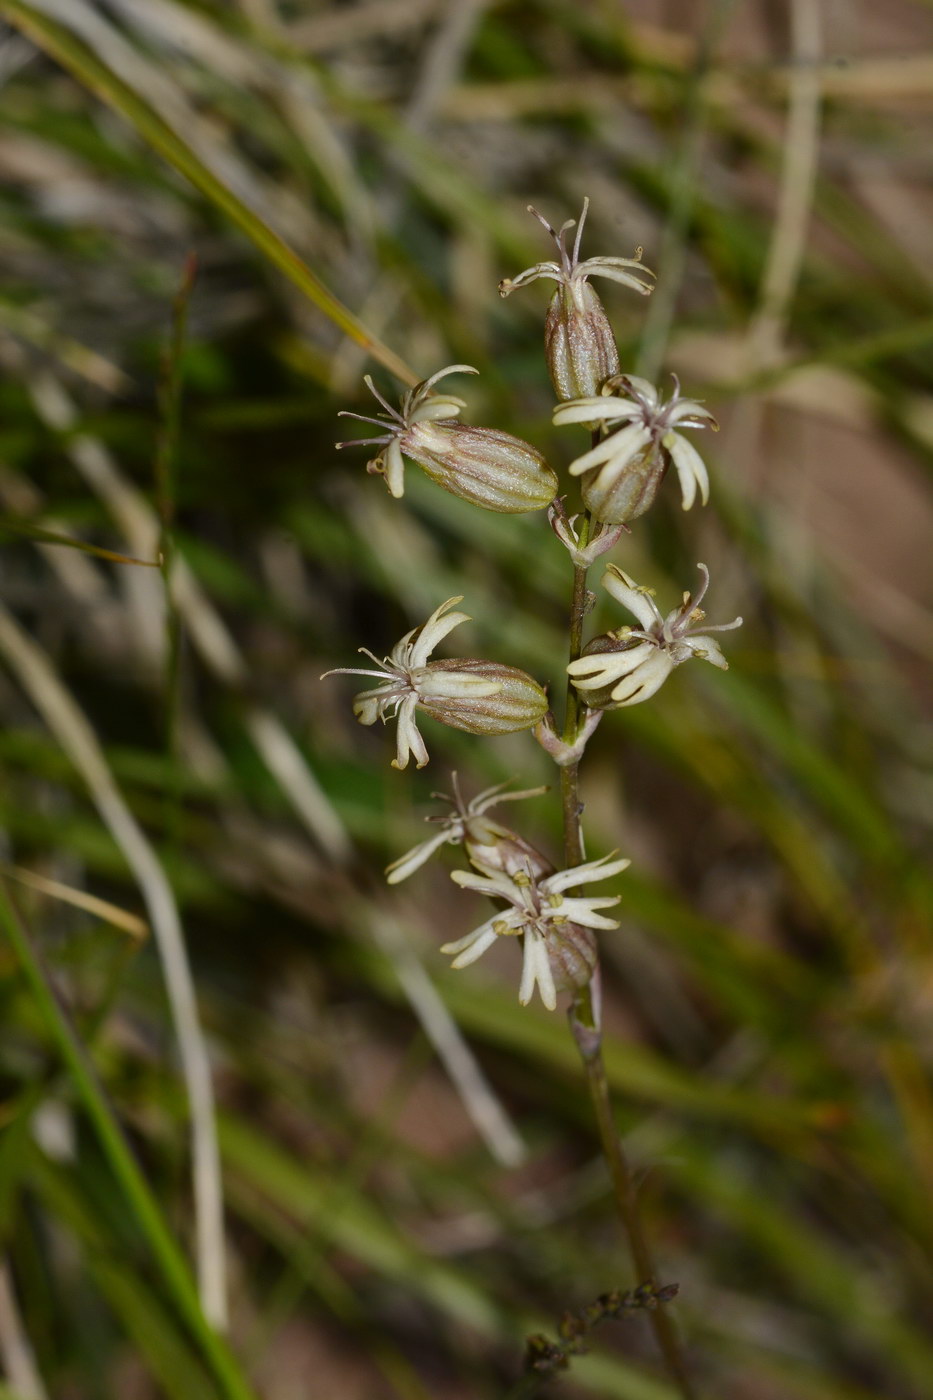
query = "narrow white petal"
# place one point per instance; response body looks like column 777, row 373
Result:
column 452, row 685
column 688, row 408
column 477, row 948
column 582, row 904
column 434, row 631
column 366, row 708
column 619, row 448
column 427, row 385
column 408, row 738
column 531, row 274
column 604, row 451
column 395, row 469
column 458, row 945
column 495, row 883
column 691, row 469
column 529, row 969
column 398, row 656
column 586, row 915
column 493, row 796
column 627, row 592
column 601, row 409
column 619, row 274
column 545, row 978
column 708, row 649
column 643, row 683
column 413, row 860
column 437, row 407
column 585, row 874
column 605, row 667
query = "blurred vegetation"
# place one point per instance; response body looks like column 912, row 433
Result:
column 352, row 178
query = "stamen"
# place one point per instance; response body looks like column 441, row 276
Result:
column 368, row 381
column 701, row 592
column 542, row 220
column 385, row 663
column 576, row 242
column 354, row 671
column 723, row 626
column 365, row 418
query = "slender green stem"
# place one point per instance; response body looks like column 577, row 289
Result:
column 166, row 455
column 165, row 1251
column 626, row 1196
column 585, row 1023
column 570, row 772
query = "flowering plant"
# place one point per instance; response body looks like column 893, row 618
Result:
column 636, row 436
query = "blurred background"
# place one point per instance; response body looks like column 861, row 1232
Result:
column 411, row 1172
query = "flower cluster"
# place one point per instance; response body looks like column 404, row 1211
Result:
column 638, row 436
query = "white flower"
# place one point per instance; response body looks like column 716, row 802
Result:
column 540, row 911
column 627, row 666
column 570, row 272
column 467, row 823
column 625, row 469
column 482, row 465
column 482, row 697
column 579, row 345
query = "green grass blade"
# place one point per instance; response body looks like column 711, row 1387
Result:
column 55, row 40
column 171, row 1264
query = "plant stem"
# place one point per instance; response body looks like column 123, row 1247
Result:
column 570, row 773
column 585, row 1022
column 589, row 1043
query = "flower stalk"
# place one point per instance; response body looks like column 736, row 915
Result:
column 585, row 1013
column 636, row 440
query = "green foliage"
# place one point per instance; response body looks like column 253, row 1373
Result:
column 352, row 205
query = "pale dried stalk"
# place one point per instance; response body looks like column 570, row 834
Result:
column 19, row 1362
column 68, row 723
column 795, row 198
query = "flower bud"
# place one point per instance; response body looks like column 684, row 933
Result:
column 572, row 955
column 579, row 346
column 622, row 492
column 482, row 697
column 578, row 342
column 482, row 465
